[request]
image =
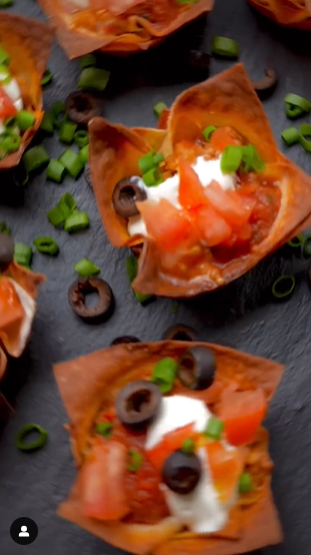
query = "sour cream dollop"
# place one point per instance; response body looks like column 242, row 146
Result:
column 12, row 89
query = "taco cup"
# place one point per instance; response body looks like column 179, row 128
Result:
column 208, row 197
column 291, row 13
column 118, row 27
column 25, row 46
column 136, row 410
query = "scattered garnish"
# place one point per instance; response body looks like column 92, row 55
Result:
column 55, row 171
column 305, row 131
column 58, row 114
column 93, row 79
column 81, row 138
column 149, row 161
column 84, row 154
column 86, row 267
column 6, row 3
column 231, row 159
column 72, row 163
column 132, row 268
column 81, row 107
column 77, row 221
column 35, row 158
column 23, row 433
column 180, row 332
column 46, row 77
column 25, row 119
column 4, row 228
column 284, row 286
column 23, row 254
column 46, row 245
column 47, row 124
column 296, row 105
column 136, row 460
column 62, row 210
column 188, row 446
column 9, row 141
column 67, row 132
column 197, row 65
column 81, row 288
column 306, row 249
column 152, row 178
column 267, row 83
column 246, row 157
column 88, row 60
column 4, row 57
column 245, row 483
column 159, row 107
column 214, row 428
column 207, row 132
column 104, row 429
column 296, row 242
column 164, row 374
column 223, row 46
column 290, row 136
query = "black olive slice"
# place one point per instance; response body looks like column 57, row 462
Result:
column 125, row 339
column 198, row 64
column 197, row 368
column 77, row 298
column 181, row 472
column 81, row 107
column 6, row 250
column 138, row 403
column 267, row 83
column 126, row 193
column 180, row 332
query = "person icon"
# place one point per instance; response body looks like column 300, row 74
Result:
column 23, row 533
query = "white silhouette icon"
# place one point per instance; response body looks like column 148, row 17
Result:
column 23, row 533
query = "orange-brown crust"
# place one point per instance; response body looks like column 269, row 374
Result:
column 291, row 13
column 79, row 42
column 84, row 393
column 227, row 99
column 28, row 43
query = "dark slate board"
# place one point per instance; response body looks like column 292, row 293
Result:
column 241, row 315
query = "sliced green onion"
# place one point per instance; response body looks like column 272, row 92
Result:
column 296, row 105
column 296, row 242
column 72, row 163
column 35, row 158
column 56, row 216
column 104, row 429
column 231, row 159
column 152, row 178
column 46, row 245
column 62, row 210
column 158, row 158
column 55, row 171
column 223, row 46
column 4, row 228
column 58, row 113
column 25, row 119
column 76, row 221
column 136, row 460
column 6, row 3
column 46, row 77
column 307, row 245
column 146, row 162
column 245, row 483
column 290, row 136
column 68, row 202
column 251, row 160
column 88, row 60
column 159, row 107
column 188, row 446
column 10, row 142
column 214, row 428
column 208, row 131
column 84, row 154
column 67, row 132
column 86, row 267
column 47, row 125
column 5, row 77
column 164, row 374
column 22, row 254
column 81, row 138
column 283, row 287
column 93, row 79
column 4, row 57
column 132, row 269
column 293, row 112
column 305, row 131
column 23, row 433
column 10, row 123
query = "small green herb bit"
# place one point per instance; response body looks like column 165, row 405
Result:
column 164, row 374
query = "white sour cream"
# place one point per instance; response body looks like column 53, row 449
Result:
column 207, row 171
column 29, row 307
column 12, row 89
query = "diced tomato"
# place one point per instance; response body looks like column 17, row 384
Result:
column 239, row 235
column 103, row 482
column 223, row 137
column 7, row 107
column 168, row 226
column 242, row 413
column 163, row 119
column 170, row 443
column 230, row 206
column 11, row 310
column 225, row 466
column 191, row 192
column 211, row 226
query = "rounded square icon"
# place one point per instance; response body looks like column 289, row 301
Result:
column 24, row 530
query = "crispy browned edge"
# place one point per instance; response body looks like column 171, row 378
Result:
column 275, row 11
column 28, row 42
column 84, row 383
column 77, row 43
column 226, row 99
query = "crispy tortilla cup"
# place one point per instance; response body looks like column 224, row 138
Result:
column 127, row 29
column 291, row 13
column 253, row 522
column 227, row 99
column 28, row 43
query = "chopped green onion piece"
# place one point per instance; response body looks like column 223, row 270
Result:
column 88, row 60
column 84, row 154
column 25, row 119
column 58, row 113
column 62, row 210
column 231, row 159
column 298, row 101
column 290, row 136
column 23, row 433
column 22, row 254
column 214, row 428
column 296, row 242
column 188, row 446
column 146, row 162
column 136, row 460
column 4, row 57
column 293, row 112
column 47, row 124
column 6, row 3
column 81, row 138
column 283, row 287
column 46, row 77
column 4, row 228
column 56, row 216
column 305, row 131
column 76, row 221
column 86, row 267
column 55, row 171
column 223, row 46
column 46, row 245
column 307, row 245
column 164, row 374
column 158, row 158
column 10, row 123
column 208, row 131
column 93, row 79
column 10, row 142
column 68, row 201
column 72, row 163
column 159, row 107
column 67, row 132
column 187, row 1
column 104, row 429
column 251, row 160
column 152, row 178
column 35, row 158
column 132, row 269
column 245, row 483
